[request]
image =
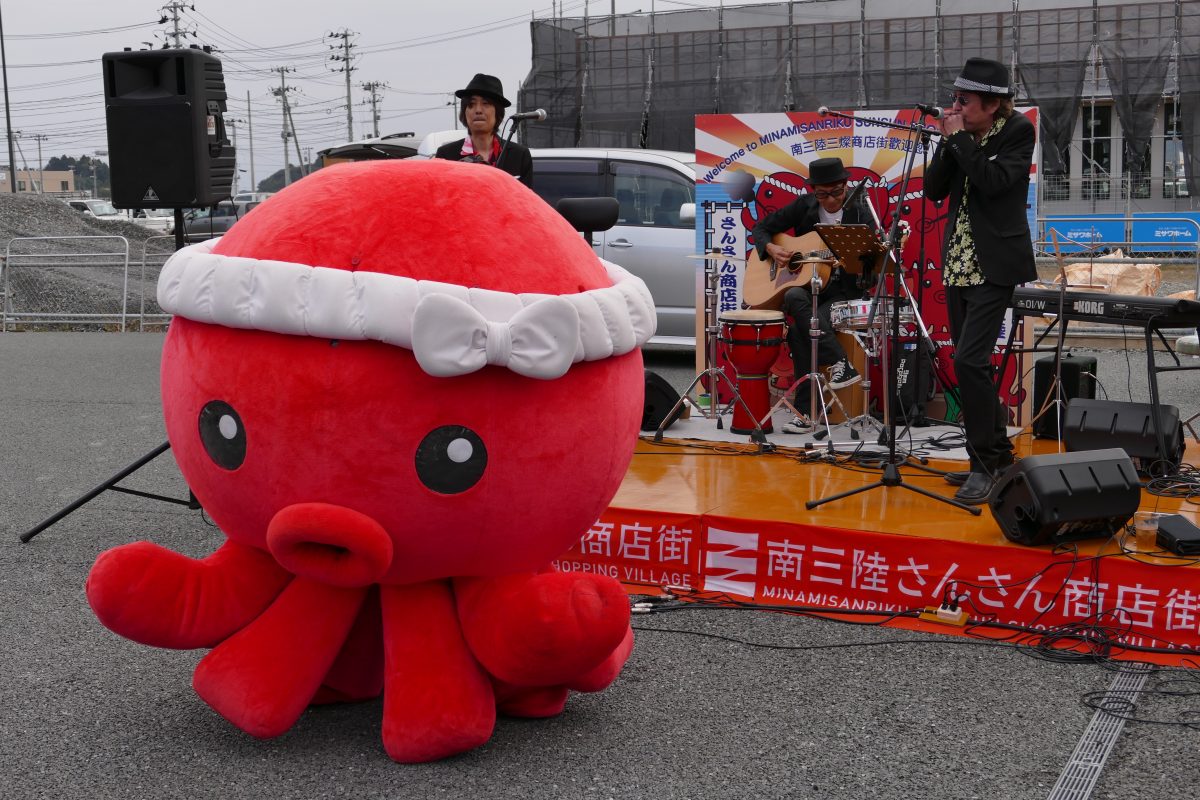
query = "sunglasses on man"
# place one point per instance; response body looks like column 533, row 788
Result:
column 823, row 194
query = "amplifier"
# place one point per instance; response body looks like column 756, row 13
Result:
column 1078, row 375
column 1066, row 496
column 1096, row 424
column 1178, row 535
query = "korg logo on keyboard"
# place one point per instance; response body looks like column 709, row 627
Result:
column 1093, row 307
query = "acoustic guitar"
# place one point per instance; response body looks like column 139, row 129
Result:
column 766, row 281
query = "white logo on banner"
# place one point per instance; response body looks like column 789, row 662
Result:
column 733, row 556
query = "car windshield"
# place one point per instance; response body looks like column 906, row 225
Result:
column 102, row 207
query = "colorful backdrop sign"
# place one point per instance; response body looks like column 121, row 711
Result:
column 749, row 165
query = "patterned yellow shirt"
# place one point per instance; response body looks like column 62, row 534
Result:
column 962, row 262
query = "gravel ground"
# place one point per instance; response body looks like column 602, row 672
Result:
column 866, row 713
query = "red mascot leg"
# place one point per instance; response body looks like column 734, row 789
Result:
column 535, row 702
column 437, row 701
column 263, row 677
column 542, row 630
column 158, row 597
column 608, row 670
column 358, row 672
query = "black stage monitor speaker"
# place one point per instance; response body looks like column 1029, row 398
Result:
column 1066, row 496
column 167, row 143
column 1078, row 380
column 660, row 399
column 1093, row 424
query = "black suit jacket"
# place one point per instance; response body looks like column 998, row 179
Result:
column 514, row 159
column 800, row 217
column 996, row 198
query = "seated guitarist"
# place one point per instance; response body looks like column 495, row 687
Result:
column 827, row 176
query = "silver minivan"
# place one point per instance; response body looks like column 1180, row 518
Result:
column 655, row 230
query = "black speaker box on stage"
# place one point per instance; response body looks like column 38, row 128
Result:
column 913, row 383
column 1078, row 380
column 1093, row 424
column 660, row 399
column 1066, row 496
column 166, row 130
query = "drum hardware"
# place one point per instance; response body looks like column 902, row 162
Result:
column 712, row 371
column 818, row 384
column 855, row 243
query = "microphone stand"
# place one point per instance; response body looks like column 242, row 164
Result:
column 891, row 471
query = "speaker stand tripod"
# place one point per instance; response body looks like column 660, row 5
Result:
column 110, row 485
column 713, row 373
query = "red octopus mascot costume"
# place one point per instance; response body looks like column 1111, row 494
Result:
column 400, row 390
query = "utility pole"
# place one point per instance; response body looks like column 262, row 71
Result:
column 12, row 157
column 233, row 123
column 281, row 93
column 347, row 67
column 39, row 138
column 250, row 133
column 375, row 87
column 178, row 32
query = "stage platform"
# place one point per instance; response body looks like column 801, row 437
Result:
column 728, row 520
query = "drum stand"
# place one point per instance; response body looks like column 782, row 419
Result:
column 818, row 384
column 714, row 373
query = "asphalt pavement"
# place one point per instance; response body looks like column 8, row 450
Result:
column 713, row 703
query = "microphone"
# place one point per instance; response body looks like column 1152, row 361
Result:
column 858, row 190
column 932, row 111
column 538, row 115
column 823, row 111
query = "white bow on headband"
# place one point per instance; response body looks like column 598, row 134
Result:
column 452, row 338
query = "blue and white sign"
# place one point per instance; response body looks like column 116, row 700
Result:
column 1176, row 232
column 1080, row 233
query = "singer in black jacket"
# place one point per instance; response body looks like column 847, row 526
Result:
column 828, row 177
column 483, row 104
column 983, row 166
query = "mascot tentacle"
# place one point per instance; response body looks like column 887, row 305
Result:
column 545, row 629
column 158, row 597
column 437, row 700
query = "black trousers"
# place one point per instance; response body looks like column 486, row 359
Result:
column 797, row 303
column 976, row 316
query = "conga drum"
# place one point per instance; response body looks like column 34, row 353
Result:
column 751, row 342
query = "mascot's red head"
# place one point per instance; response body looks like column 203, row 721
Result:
column 393, row 372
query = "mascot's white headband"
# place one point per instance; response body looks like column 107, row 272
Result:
column 451, row 329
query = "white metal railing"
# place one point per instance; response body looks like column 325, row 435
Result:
column 21, row 299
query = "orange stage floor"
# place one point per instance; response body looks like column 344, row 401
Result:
column 674, row 477
column 727, row 521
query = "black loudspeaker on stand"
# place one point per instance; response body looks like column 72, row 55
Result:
column 660, row 399
column 167, row 142
column 1066, row 496
column 1093, row 424
column 1078, row 374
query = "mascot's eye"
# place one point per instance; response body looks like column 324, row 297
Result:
column 451, row 459
column 223, row 435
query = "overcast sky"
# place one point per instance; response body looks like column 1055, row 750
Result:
column 422, row 50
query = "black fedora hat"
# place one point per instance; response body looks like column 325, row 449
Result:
column 488, row 86
column 984, row 76
column 827, row 170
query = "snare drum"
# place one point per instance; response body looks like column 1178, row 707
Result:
column 852, row 315
column 751, row 342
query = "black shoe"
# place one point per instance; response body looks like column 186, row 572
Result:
column 959, row 478
column 976, row 489
column 843, row 374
